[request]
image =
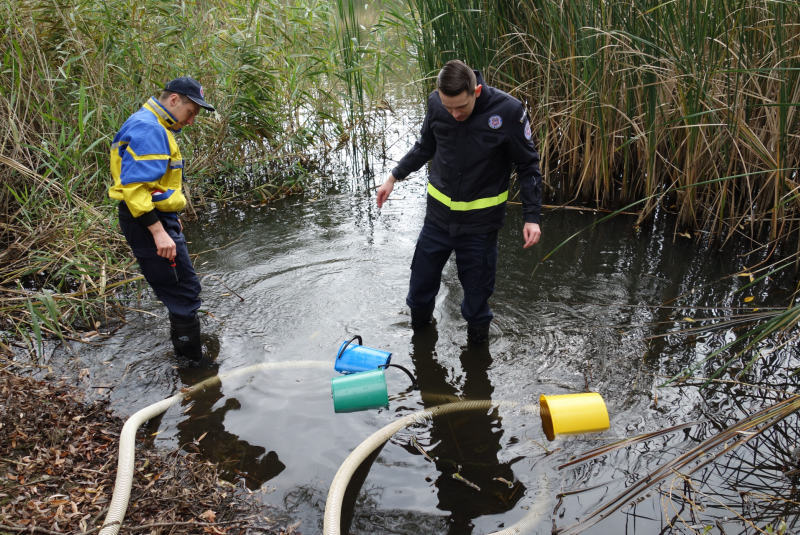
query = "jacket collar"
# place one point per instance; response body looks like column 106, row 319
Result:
column 164, row 117
column 486, row 92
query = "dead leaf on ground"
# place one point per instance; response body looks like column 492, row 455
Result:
column 209, row 516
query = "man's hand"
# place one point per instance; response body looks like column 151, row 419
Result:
column 164, row 243
column 531, row 233
column 384, row 191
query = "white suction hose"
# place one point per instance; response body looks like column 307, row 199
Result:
column 333, row 506
column 127, row 444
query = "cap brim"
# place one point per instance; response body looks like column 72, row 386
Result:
column 202, row 103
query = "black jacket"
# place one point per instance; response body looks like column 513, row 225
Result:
column 472, row 160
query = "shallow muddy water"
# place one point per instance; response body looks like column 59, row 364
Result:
column 316, row 269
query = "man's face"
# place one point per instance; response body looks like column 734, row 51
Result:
column 184, row 113
column 460, row 106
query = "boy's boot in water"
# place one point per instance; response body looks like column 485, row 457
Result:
column 185, row 334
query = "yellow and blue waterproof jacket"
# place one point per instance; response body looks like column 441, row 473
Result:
column 147, row 165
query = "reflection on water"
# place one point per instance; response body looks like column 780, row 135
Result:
column 203, row 429
column 464, row 442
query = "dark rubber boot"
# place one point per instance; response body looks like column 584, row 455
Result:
column 185, row 334
column 421, row 317
column 478, row 334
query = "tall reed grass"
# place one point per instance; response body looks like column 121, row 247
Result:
column 636, row 99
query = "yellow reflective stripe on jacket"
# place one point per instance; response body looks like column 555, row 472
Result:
column 462, row 206
column 146, row 156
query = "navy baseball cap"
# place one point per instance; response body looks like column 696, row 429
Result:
column 186, row 85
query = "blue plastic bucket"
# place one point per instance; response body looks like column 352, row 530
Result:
column 359, row 391
column 353, row 358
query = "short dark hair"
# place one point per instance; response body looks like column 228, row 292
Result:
column 165, row 95
column 455, row 78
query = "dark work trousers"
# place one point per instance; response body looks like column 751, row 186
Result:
column 476, row 260
column 178, row 288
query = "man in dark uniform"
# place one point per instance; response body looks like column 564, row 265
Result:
column 473, row 133
column 147, row 168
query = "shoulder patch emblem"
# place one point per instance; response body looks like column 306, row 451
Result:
column 495, row 121
column 527, row 130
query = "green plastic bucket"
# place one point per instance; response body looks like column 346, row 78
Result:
column 359, row 391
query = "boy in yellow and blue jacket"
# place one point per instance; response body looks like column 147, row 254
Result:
column 147, row 168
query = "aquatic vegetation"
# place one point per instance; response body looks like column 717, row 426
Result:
column 647, row 99
column 767, row 427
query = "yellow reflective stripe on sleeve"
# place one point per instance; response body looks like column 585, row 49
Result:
column 462, row 206
column 118, row 144
column 147, row 157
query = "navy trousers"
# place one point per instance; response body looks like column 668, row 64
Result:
column 178, row 288
column 476, row 261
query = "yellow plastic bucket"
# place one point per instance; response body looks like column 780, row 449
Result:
column 571, row 414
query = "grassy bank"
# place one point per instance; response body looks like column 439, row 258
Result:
column 289, row 82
